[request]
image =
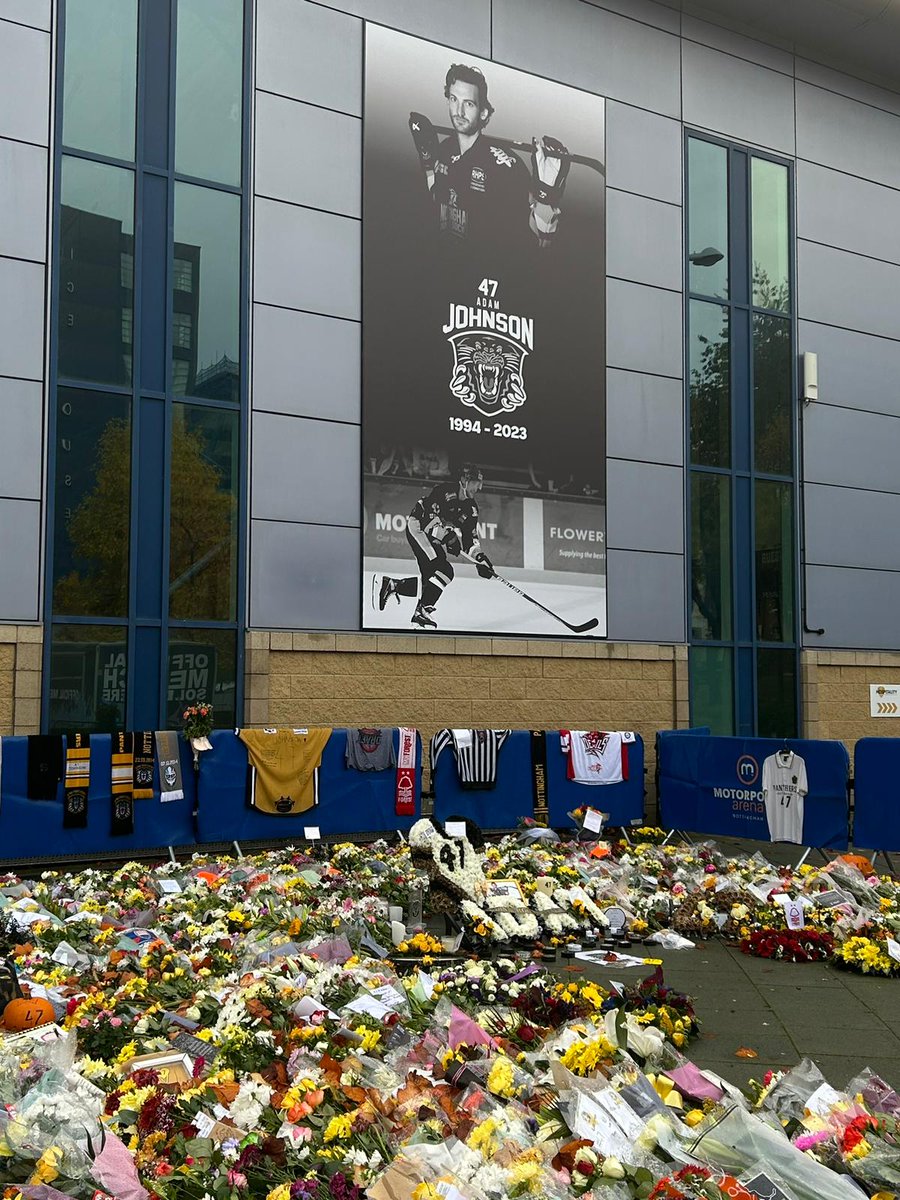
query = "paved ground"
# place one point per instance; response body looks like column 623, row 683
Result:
column 783, row 1011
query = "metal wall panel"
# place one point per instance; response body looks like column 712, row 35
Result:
column 593, row 49
column 643, row 240
column 647, row 11
column 23, row 200
column 707, row 34
column 644, row 152
column 843, row 211
column 738, row 99
column 842, row 133
column 852, row 528
column 308, row 155
column 839, row 288
column 305, row 365
column 303, row 576
column 645, row 596
column 20, row 554
column 305, row 469
column 856, row 370
column 465, row 23
column 21, row 319
column 644, row 418
column 27, row 12
column 309, row 52
column 858, row 609
column 644, row 509
column 24, row 83
column 643, row 328
column 306, row 259
column 851, row 448
column 21, row 442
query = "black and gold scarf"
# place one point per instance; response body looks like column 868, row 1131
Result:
column 77, row 781
column 122, row 784
column 143, row 766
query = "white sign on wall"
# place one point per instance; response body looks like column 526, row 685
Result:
column 884, row 699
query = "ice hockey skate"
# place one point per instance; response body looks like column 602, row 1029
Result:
column 422, row 617
column 383, row 593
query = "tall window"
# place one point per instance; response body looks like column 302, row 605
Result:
column 144, row 598
column 740, row 368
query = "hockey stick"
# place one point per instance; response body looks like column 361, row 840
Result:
column 592, row 624
column 526, row 148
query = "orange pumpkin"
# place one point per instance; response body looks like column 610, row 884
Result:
column 27, row 1014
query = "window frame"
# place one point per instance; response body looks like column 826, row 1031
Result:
column 137, row 394
column 742, row 472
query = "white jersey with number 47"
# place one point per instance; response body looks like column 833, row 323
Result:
column 784, row 786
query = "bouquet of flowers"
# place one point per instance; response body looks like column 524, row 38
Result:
column 198, row 721
column 800, row 945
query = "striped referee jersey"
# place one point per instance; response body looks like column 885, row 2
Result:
column 475, row 752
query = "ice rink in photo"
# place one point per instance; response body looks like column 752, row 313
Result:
column 472, row 605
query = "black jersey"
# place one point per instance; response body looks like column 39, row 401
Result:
column 442, row 509
column 484, row 195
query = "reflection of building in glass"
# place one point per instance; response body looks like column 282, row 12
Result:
column 185, row 317
column 219, row 381
column 96, row 289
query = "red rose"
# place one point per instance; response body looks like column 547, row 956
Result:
column 584, row 1168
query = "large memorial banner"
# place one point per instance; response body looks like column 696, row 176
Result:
column 484, row 315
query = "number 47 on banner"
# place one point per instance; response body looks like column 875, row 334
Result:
column 488, row 287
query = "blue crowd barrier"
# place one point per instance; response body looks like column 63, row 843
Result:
column 623, row 801
column 876, row 813
column 349, row 801
column 713, row 785
column 499, row 807
column 34, row 828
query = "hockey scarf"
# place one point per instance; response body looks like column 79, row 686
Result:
column 168, row 762
column 45, row 766
column 405, row 793
column 539, row 775
column 122, row 784
column 77, row 781
column 143, row 766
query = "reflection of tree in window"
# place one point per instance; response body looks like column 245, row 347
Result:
column 98, row 533
column 203, row 516
column 710, row 391
column 772, row 368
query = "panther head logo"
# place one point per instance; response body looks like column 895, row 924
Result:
column 487, row 372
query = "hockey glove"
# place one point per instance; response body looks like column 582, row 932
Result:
column 451, row 541
column 426, row 140
column 483, row 565
column 550, row 167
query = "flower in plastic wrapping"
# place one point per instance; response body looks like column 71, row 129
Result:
column 643, row 1040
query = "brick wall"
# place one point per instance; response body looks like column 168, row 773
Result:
column 20, row 678
column 836, row 694
column 436, row 682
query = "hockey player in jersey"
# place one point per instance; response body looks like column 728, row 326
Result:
column 441, row 524
column 483, row 191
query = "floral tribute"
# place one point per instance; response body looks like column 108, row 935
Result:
column 227, row 1029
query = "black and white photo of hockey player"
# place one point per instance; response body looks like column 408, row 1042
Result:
column 484, row 321
column 480, row 187
column 442, row 525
